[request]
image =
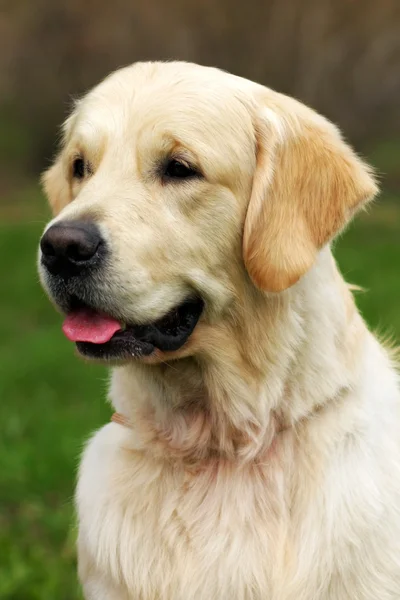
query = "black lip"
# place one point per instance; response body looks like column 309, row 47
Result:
column 169, row 333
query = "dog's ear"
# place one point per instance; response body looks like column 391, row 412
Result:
column 307, row 185
column 56, row 186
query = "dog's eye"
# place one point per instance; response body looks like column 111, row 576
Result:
column 78, row 168
column 177, row 169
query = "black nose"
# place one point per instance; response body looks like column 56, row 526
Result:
column 69, row 247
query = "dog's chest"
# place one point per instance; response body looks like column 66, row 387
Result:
column 221, row 532
column 216, row 532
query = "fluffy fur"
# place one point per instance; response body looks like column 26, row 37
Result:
column 263, row 458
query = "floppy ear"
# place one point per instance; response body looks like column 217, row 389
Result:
column 307, row 185
column 56, row 187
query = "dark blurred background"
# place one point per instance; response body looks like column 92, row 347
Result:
column 340, row 56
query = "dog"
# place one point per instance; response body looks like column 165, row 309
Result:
column 254, row 453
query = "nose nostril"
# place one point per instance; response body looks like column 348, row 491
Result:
column 81, row 251
column 74, row 252
column 47, row 248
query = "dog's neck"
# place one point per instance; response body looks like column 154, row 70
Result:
column 273, row 363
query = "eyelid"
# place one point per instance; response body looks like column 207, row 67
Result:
column 182, row 161
column 187, row 161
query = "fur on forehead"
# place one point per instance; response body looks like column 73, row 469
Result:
column 182, row 92
column 204, row 109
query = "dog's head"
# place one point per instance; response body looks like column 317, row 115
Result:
column 175, row 185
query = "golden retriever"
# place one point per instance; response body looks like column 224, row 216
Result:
column 255, row 449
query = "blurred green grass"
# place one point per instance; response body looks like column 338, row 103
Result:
column 51, row 401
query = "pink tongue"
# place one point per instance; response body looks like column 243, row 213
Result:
column 86, row 325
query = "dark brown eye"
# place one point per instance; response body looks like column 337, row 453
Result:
column 179, row 170
column 78, row 168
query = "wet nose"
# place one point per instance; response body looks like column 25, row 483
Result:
column 69, row 247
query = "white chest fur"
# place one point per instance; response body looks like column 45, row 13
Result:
column 226, row 533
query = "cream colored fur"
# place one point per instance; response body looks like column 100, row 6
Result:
column 263, row 461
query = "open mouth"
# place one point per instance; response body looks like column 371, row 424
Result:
column 101, row 336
